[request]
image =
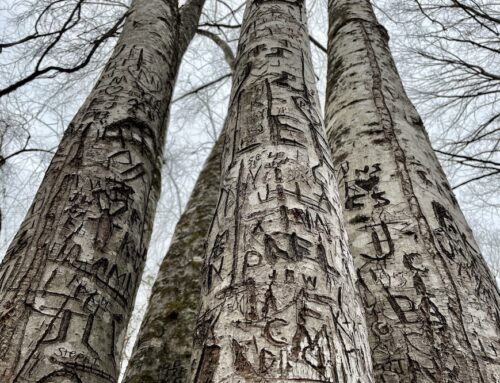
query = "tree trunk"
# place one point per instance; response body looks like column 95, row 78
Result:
column 68, row 281
column 278, row 296
column 162, row 351
column 432, row 306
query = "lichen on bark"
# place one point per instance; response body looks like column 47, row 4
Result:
column 162, row 351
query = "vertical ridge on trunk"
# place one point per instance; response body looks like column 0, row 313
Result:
column 163, row 348
column 279, row 301
column 69, row 278
column 432, row 306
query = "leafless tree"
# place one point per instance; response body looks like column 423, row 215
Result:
column 432, row 306
column 278, row 299
column 69, row 278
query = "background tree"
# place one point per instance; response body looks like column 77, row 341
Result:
column 431, row 303
column 457, row 44
column 162, row 351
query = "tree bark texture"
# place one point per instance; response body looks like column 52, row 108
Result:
column 432, row 306
column 163, row 348
column 68, row 280
column 279, row 301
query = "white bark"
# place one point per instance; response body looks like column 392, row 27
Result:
column 279, row 301
column 432, row 306
column 162, row 351
column 68, row 280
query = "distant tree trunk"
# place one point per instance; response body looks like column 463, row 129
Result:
column 68, row 281
column 163, row 348
column 432, row 306
column 278, row 296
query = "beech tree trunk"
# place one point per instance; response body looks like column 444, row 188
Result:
column 432, row 306
column 279, row 301
column 162, row 351
column 68, row 280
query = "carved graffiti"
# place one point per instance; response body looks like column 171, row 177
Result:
column 431, row 305
column 68, row 280
column 279, row 301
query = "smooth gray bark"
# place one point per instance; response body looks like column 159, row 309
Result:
column 68, row 280
column 162, row 351
column 279, row 301
column 432, row 306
